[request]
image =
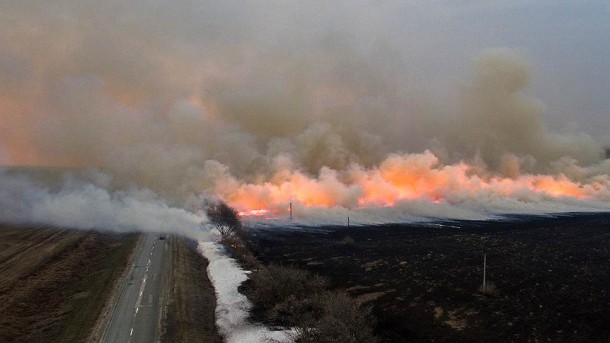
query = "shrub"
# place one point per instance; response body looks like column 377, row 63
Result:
column 284, row 293
column 297, row 311
column 240, row 251
column 297, row 298
column 343, row 321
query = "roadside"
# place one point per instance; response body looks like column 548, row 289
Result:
column 190, row 311
column 53, row 283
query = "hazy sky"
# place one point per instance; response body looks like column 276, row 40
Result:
column 567, row 42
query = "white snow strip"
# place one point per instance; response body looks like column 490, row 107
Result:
column 232, row 307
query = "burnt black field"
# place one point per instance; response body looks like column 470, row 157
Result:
column 551, row 275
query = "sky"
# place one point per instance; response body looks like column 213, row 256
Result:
column 565, row 41
column 416, row 108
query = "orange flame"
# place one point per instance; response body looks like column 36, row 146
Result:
column 399, row 178
column 254, row 213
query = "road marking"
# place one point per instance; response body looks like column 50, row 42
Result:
column 141, row 291
column 131, row 333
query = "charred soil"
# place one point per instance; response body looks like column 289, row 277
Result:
column 550, row 274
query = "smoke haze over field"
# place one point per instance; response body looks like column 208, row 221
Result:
column 380, row 110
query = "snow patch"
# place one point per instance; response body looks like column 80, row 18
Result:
column 232, row 307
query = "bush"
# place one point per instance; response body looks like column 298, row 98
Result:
column 342, row 321
column 239, row 250
column 281, row 293
column 297, row 298
column 297, row 311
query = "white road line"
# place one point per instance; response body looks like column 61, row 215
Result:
column 131, row 333
column 141, row 291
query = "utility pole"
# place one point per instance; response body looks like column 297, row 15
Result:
column 348, row 222
column 291, row 211
column 484, row 270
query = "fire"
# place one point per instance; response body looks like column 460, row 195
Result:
column 397, row 179
column 254, row 213
column 260, row 214
column 558, row 187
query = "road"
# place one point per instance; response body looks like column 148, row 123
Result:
column 136, row 315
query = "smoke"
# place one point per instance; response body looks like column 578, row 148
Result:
column 264, row 104
column 72, row 203
column 498, row 117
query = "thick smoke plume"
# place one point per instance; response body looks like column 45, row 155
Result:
column 74, row 203
column 264, row 105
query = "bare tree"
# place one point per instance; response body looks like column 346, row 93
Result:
column 224, row 218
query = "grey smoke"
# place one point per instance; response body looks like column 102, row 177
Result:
column 177, row 97
column 71, row 203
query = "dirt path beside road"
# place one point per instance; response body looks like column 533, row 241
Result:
column 190, row 313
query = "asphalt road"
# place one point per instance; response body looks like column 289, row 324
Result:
column 136, row 315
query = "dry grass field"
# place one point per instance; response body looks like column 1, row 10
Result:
column 53, row 283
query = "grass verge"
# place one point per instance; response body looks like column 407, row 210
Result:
column 190, row 316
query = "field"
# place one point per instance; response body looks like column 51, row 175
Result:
column 550, row 276
column 54, row 283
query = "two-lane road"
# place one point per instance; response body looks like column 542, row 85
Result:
column 136, row 316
